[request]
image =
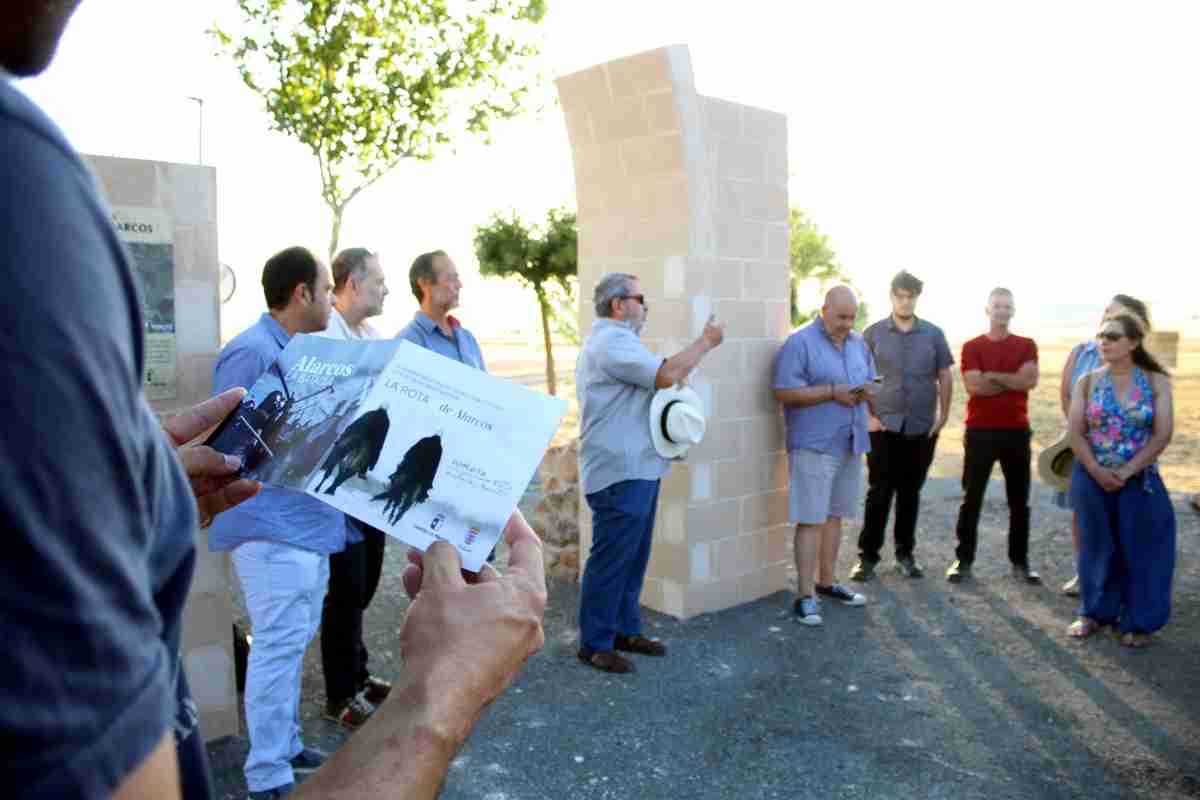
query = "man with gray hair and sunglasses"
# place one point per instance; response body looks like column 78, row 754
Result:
column 620, row 469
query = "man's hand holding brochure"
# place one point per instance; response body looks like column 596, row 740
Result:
column 399, row 437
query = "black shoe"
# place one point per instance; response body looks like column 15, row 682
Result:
column 1026, row 575
column 958, row 572
column 308, row 760
column 837, row 591
column 272, row 794
column 863, row 571
column 909, row 568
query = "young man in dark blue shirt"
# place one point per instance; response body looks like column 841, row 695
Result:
column 914, row 360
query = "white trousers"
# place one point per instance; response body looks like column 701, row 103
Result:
column 284, row 588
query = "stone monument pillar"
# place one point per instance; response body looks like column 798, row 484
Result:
column 167, row 215
column 689, row 193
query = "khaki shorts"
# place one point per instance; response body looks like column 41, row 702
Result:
column 822, row 486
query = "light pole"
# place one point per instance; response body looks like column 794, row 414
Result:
column 199, row 129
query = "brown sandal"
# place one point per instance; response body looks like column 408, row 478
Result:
column 1083, row 628
column 1137, row 641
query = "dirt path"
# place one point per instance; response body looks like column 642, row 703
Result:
column 931, row 691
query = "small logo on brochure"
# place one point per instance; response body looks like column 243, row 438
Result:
column 437, row 521
column 472, row 535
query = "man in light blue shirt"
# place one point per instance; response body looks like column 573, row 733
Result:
column 822, row 378
column 615, row 379
column 435, row 283
column 281, row 539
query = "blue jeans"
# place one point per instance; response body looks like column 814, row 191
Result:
column 284, row 588
column 1126, row 550
column 622, row 526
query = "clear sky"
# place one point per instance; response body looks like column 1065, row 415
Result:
column 1050, row 146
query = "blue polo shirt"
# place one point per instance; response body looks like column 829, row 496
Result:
column 274, row 514
column 97, row 515
column 461, row 347
column 810, row 358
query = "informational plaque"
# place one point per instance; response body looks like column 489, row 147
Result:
column 150, row 239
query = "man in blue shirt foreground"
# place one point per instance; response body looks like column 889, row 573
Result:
column 99, row 518
column 817, row 372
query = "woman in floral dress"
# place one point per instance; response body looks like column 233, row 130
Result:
column 1084, row 358
column 1121, row 419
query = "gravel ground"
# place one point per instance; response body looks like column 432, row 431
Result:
column 930, row 691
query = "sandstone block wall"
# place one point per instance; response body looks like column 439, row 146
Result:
column 689, row 193
column 188, row 196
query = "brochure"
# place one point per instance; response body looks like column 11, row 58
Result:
column 409, row 441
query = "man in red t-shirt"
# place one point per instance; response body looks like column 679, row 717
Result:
column 999, row 368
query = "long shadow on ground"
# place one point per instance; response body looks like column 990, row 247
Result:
column 931, row 691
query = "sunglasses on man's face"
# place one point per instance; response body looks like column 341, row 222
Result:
column 641, row 298
column 1110, row 336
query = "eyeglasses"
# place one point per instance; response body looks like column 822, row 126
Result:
column 1110, row 336
column 641, row 298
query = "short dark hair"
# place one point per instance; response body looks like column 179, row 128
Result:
column 349, row 263
column 422, row 267
column 907, row 282
column 286, row 270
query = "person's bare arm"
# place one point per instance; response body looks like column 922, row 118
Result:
column 462, row 643
column 680, row 365
column 979, row 386
column 945, row 395
column 1064, row 383
column 1023, row 380
column 156, row 778
column 1164, row 429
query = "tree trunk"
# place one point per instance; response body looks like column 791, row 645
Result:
column 546, row 312
column 335, row 232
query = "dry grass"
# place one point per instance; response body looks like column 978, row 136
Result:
column 1180, row 463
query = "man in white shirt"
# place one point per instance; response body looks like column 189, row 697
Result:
column 351, row 692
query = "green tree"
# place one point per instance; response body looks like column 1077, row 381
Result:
column 814, row 262
column 543, row 257
column 365, row 84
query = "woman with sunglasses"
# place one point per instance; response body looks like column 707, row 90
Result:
column 1121, row 419
column 1084, row 358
